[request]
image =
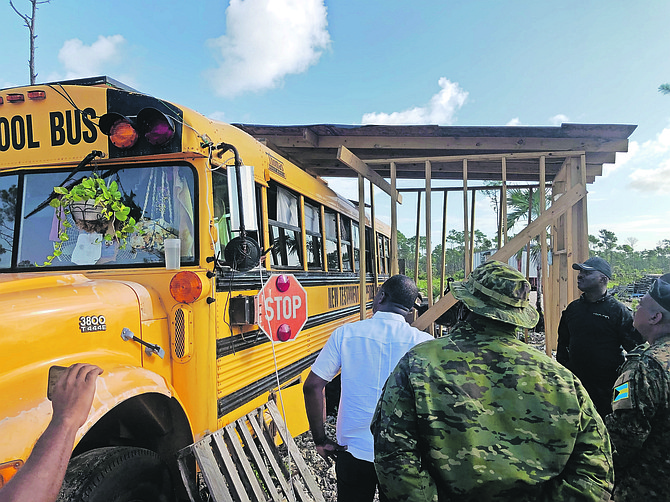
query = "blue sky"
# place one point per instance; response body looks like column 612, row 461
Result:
column 371, row 61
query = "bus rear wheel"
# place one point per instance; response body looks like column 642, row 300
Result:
column 117, row 474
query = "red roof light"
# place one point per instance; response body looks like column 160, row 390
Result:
column 15, row 98
column 37, row 95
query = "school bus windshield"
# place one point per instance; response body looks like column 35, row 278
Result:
column 161, row 200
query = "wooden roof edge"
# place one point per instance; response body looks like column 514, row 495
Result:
column 565, row 130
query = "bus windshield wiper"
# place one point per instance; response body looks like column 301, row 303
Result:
column 84, row 162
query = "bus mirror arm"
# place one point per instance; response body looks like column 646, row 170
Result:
column 149, row 348
column 224, row 147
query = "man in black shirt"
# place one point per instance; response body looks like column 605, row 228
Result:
column 593, row 333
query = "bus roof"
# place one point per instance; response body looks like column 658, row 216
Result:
column 101, row 81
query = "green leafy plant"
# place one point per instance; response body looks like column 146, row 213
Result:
column 114, row 222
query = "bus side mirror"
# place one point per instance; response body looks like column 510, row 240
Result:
column 246, row 201
column 242, row 253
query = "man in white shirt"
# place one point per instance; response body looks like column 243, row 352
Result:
column 365, row 352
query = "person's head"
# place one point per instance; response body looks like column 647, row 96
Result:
column 593, row 275
column 398, row 294
column 497, row 291
column 652, row 316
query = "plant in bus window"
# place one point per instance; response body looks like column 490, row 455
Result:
column 96, row 207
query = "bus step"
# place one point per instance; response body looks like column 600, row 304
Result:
column 241, row 463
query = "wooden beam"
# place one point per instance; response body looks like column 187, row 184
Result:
column 443, row 261
column 429, row 261
column 544, row 262
column 558, row 208
column 374, row 251
column 311, row 137
column 472, row 230
column 418, row 238
column 476, row 157
column 361, row 236
column 394, row 223
column 345, row 156
column 503, row 203
column 466, row 255
column 508, row 144
column 569, row 199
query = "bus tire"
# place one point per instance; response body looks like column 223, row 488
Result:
column 117, row 474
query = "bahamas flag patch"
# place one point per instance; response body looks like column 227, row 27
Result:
column 621, row 392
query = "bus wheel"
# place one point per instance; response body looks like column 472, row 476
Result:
column 117, row 474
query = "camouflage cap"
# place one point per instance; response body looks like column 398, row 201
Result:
column 660, row 291
column 497, row 291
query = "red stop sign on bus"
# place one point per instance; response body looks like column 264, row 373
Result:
column 281, row 305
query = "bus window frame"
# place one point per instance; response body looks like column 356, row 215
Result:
column 279, row 250
column 318, row 236
column 116, row 166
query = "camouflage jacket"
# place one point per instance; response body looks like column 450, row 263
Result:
column 479, row 415
column 640, row 424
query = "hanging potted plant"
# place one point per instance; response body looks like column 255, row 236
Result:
column 95, row 207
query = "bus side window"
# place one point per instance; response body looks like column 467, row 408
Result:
column 331, row 241
column 285, row 231
column 368, row 251
column 357, row 246
column 380, row 254
column 345, row 238
column 8, row 186
column 387, row 254
column 313, row 231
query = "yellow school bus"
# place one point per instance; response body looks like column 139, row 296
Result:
column 159, row 290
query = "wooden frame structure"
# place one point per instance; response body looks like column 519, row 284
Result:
column 563, row 159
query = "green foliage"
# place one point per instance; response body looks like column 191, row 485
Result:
column 105, row 196
column 627, row 264
column 664, row 88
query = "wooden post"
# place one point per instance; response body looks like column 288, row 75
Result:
column 418, row 238
column 429, row 258
column 444, row 244
column 544, row 264
column 443, row 261
column 466, row 251
column 530, row 219
column 374, row 252
column 394, row 222
column 472, row 231
column 361, row 236
column 503, row 202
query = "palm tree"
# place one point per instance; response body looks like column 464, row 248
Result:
column 519, row 201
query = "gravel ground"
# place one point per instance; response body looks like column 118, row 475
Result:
column 324, row 473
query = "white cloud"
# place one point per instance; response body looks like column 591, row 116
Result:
column 651, row 162
column 82, row 60
column 220, row 116
column 558, row 119
column 652, row 180
column 622, row 158
column 514, row 122
column 441, row 109
column 267, row 40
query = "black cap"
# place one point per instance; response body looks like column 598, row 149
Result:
column 660, row 291
column 595, row 263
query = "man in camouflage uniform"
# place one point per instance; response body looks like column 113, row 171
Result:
column 640, row 423
column 479, row 415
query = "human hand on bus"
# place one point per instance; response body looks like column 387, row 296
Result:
column 73, row 394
